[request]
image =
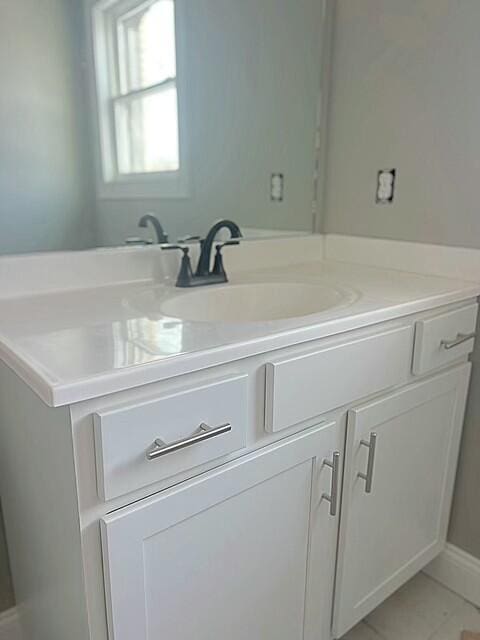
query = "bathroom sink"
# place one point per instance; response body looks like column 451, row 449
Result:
column 256, row 302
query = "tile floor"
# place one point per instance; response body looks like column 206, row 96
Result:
column 421, row 610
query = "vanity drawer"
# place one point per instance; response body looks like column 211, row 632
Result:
column 303, row 387
column 140, row 444
column 444, row 338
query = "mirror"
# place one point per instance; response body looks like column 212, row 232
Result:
column 189, row 110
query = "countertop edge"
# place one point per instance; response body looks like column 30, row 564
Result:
column 60, row 395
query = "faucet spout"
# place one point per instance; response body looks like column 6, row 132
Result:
column 203, row 276
column 162, row 237
column 203, row 267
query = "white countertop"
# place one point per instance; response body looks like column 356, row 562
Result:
column 71, row 346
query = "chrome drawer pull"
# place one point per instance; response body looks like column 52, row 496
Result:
column 204, row 432
column 372, row 447
column 333, row 497
column 460, row 339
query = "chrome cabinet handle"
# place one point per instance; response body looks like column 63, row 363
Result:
column 333, row 497
column 460, row 339
column 372, row 446
column 160, row 448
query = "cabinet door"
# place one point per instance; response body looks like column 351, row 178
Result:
column 391, row 530
column 246, row 551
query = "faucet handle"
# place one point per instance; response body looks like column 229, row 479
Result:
column 227, row 243
column 137, row 242
column 218, row 268
column 190, row 239
column 172, row 247
column 185, row 275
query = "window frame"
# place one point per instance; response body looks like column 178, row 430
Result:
column 106, row 69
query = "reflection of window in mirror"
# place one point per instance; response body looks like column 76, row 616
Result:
column 138, row 102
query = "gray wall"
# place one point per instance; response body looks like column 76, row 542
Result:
column 406, row 94
column 44, row 166
column 252, row 82
column 44, row 181
column 6, row 591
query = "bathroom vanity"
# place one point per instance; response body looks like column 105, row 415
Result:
column 166, row 477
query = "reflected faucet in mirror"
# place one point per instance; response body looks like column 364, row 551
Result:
column 162, row 237
column 203, row 275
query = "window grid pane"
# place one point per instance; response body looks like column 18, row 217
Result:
column 146, row 129
column 146, row 46
column 146, row 111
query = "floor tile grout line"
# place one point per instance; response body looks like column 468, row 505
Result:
column 442, row 624
column 462, row 603
column 451, row 609
column 451, row 591
column 372, row 628
column 431, row 633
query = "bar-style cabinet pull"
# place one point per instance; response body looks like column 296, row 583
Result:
column 333, row 497
column 460, row 339
column 160, row 448
column 372, row 446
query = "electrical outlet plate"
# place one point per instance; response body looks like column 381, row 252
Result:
column 386, row 179
column 277, row 187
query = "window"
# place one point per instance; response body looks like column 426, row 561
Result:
column 139, row 123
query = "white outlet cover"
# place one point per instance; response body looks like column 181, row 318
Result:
column 277, row 187
column 386, row 186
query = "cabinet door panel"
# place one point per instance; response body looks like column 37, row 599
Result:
column 394, row 531
column 230, row 554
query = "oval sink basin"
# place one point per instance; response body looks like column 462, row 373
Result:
column 238, row 303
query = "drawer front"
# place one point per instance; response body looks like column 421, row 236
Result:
column 301, row 388
column 443, row 339
column 150, row 441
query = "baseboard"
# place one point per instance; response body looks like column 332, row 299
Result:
column 458, row 571
column 10, row 625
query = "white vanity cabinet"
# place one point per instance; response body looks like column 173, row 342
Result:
column 257, row 499
column 245, row 552
column 401, row 454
